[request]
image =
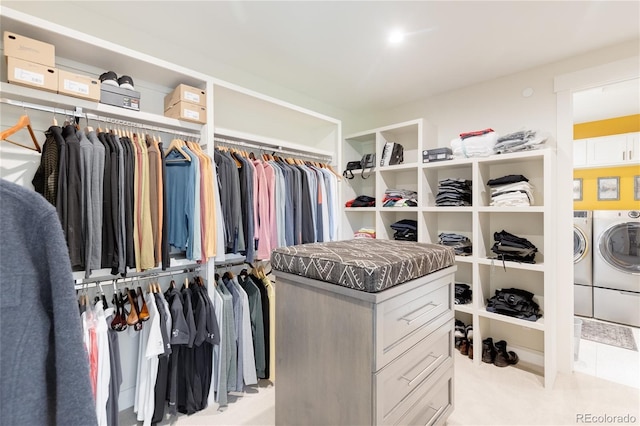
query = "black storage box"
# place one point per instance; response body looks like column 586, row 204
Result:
column 438, row 154
column 120, row 97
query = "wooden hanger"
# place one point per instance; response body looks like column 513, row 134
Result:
column 177, row 144
column 23, row 122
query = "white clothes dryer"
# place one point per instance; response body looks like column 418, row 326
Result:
column 583, row 263
column 616, row 266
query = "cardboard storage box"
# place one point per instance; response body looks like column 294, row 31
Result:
column 185, row 93
column 120, row 97
column 187, row 112
column 79, row 86
column 31, row 74
column 28, row 49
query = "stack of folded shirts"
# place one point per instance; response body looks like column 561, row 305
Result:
column 454, row 192
column 400, row 198
column 365, row 233
column 463, row 294
column 519, row 141
column 511, row 191
column 478, row 143
column 361, row 201
column 406, row 230
column 461, row 244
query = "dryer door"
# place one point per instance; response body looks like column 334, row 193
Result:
column 580, row 244
column 619, row 246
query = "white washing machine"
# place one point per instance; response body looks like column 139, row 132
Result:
column 583, row 263
column 616, row 266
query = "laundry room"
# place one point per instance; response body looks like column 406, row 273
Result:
column 606, row 215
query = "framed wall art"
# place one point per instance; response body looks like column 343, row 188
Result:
column 577, row 189
column 608, row 188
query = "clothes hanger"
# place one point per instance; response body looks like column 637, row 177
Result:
column 23, row 121
column 87, row 129
column 177, row 144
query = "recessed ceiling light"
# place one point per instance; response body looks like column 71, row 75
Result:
column 396, row 37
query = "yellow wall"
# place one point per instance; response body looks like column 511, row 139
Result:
column 590, row 188
column 613, row 126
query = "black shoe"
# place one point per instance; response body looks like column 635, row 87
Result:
column 504, row 358
column 488, row 351
column 469, row 334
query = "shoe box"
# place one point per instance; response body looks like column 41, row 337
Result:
column 438, row 154
column 78, row 85
column 185, row 93
column 186, row 103
column 28, row 49
column 32, row 63
column 31, row 74
column 120, row 97
column 188, row 112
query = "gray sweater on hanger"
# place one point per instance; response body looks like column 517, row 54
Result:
column 43, row 361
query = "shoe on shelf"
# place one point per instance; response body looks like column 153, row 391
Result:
column 469, row 333
column 459, row 333
column 488, row 351
column 503, row 357
column 464, row 346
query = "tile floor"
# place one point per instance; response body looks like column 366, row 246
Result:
column 610, row 362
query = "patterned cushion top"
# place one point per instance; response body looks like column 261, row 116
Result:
column 363, row 264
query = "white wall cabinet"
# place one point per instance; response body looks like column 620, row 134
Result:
column 534, row 342
column 613, row 150
column 579, row 153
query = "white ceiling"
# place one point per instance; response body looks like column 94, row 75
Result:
column 336, row 52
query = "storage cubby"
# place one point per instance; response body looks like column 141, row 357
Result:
column 438, row 222
column 526, row 342
column 528, row 164
column 357, row 218
column 433, row 173
column 406, row 134
column 405, row 178
column 495, row 277
column 524, row 225
column 353, row 150
column 387, row 218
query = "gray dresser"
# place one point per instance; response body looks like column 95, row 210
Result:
column 350, row 357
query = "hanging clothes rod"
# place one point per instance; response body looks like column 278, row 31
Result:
column 271, row 148
column 94, row 282
column 87, row 115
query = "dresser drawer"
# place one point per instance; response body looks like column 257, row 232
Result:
column 428, row 403
column 405, row 319
column 410, row 370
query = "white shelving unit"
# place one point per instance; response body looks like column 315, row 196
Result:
column 534, row 342
column 84, row 54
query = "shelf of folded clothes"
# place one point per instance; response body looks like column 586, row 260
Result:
column 535, row 325
column 454, row 193
column 400, row 198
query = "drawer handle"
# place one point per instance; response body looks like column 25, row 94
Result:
column 412, row 381
column 435, row 417
column 410, row 320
